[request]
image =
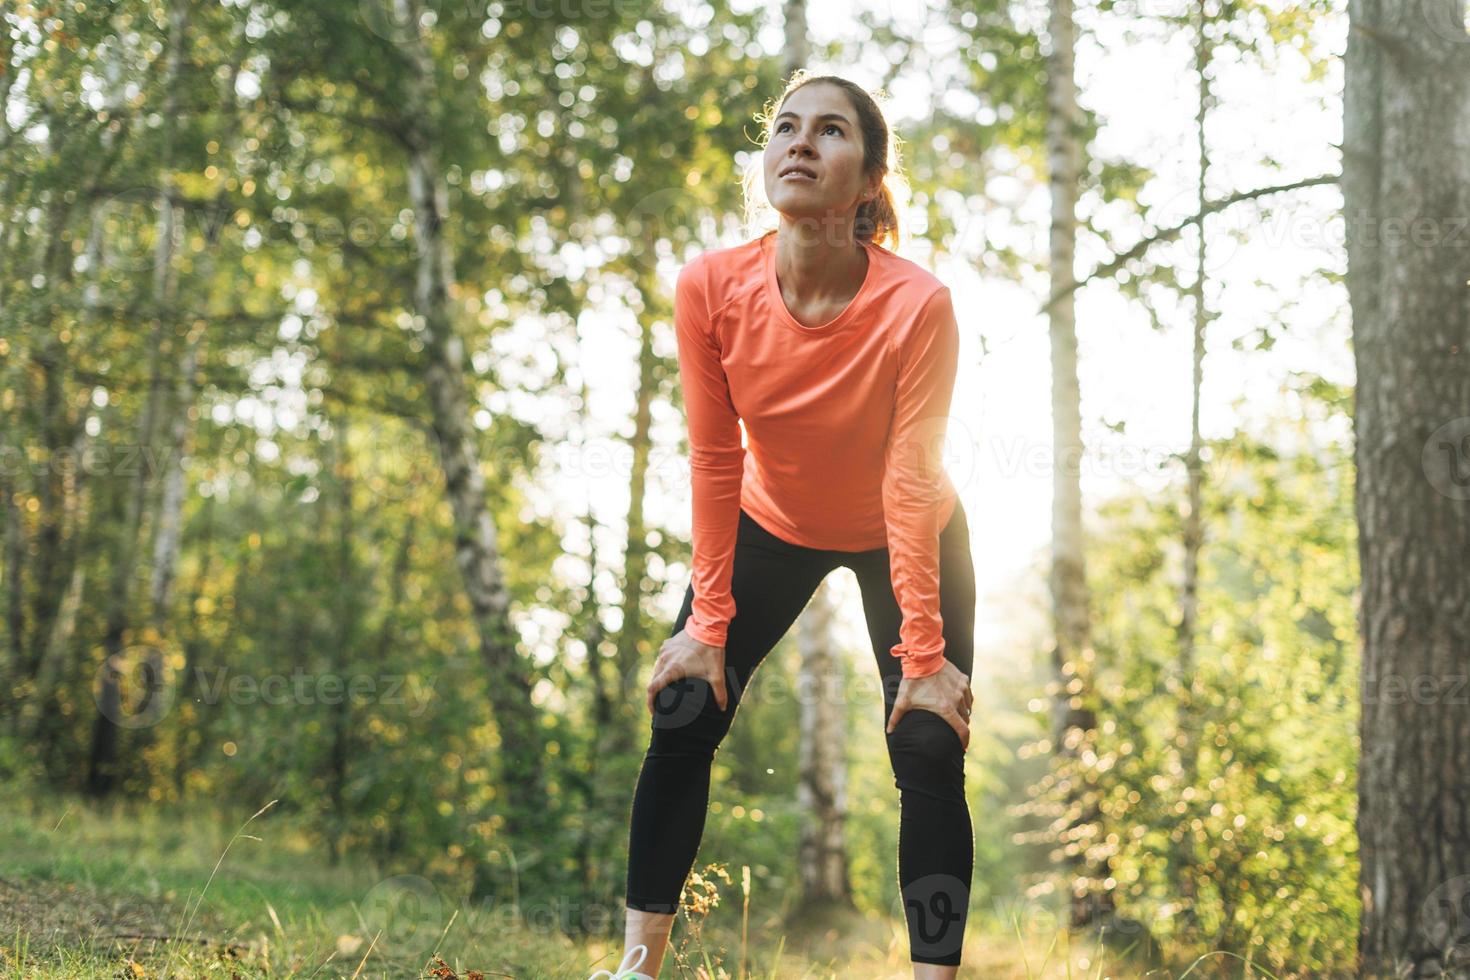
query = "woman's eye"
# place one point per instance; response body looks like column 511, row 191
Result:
column 782, row 125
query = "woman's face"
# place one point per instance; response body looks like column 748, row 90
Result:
column 816, row 130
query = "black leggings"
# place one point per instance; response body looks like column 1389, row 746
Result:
column 771, row 582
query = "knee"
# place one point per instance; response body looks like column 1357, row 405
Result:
column 687, row 720
column 928, row 756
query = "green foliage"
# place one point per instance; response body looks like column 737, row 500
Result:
column 1227, row 785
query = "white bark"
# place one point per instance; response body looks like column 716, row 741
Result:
column 822, row 787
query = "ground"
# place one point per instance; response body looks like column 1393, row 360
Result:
column 91, row 892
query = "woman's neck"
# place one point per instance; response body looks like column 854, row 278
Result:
column 818, row 265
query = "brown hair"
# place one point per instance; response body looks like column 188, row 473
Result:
column 877, row 219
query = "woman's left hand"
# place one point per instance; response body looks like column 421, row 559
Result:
column 946, row 693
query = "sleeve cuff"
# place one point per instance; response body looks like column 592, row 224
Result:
column 714, row 638
column 919, row 666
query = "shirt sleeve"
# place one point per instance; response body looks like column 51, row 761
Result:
column 716, row 457
column 914, row 481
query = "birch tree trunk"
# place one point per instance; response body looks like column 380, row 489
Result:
column 15, row 549
column 101, row 768
column 633, row 635
column 56, row 491
column 8, row 174
column 476, row 549
column 35, row 718
column 339, row 721
column 394, row 835
column 33, row 715
column 593, row 778
column 594, row 633
column 169, row 531
column 1406, row 188
column 794, row 51
column 52, row 363
column 1073, row 723
column 169, row 537
column 1187, row 857
column 190, row 732
column 822, row 787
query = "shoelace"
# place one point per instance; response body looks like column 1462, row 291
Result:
column 625, row 969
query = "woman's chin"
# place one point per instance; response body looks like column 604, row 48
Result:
column 798, row 206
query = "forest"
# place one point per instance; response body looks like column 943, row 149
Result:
column 347, row 496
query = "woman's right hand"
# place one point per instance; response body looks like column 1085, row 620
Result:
column 682, row 656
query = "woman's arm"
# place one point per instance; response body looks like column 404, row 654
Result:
column 716, row 458
column 914, row 480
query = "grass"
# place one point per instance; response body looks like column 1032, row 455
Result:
column 168, row 891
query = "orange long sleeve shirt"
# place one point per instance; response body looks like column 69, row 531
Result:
column 844, row 422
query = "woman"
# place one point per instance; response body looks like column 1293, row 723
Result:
column 840, row 357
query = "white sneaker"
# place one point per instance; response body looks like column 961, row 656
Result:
column 625, row 970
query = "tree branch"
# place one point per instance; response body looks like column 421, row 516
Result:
column 1112, row 266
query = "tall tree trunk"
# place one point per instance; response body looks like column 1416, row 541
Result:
column 393, row 835
column 168, row 536
column 52, row 572
column 593, row 634
column 476, row 549
column 64, row 550
column 1186, row 858
column 633, row 636
column 1406, row 187
column 609, row 708
column 102, row 764
column 54, row 422
column 35, row 718
column 189, row 733
column 1074, row 723
column 794, row 51
column 339, row 715
column 169, row 533
column 822, row 787
column 170, row 540
column 10, row 176
column 15, row 617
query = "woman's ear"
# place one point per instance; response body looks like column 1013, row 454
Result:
column 873, row 188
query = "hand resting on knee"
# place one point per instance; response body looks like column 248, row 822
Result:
column 682, row 656
column 946, row 693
